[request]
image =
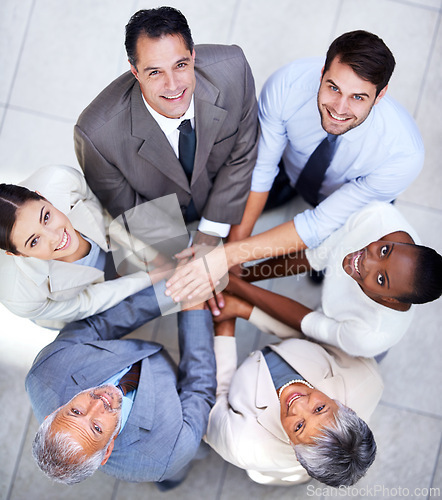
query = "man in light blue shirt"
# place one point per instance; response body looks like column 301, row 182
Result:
column 379, row 148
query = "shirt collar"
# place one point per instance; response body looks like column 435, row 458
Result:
column 168, row 125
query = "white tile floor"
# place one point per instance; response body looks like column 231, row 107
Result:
column 56, row 56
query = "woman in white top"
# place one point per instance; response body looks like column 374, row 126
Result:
column 53, row 232
column 374, row 272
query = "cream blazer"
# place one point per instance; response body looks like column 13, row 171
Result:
column 245, row 426
column 53, row 293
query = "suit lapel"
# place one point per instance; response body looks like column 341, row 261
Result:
column 83, row 221
column 66, row 275
column 267, row 402
column 315, row 365
column 143, row 409
column 209, row 119
column 156, row 148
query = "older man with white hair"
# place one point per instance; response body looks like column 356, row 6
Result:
column 120, row 404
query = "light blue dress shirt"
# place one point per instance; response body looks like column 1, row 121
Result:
column 128, row 399
column 375, row 161
column 95, row 258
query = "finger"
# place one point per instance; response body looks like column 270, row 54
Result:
column 180, row 278
column 203, row 291
column 220, row 300
column 196, row 288
column 213, row 306
column 187, row 252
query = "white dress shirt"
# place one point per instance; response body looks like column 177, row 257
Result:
column 169, row 126
column 348, row 318
column 377, row 160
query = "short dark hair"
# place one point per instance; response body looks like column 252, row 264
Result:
column 12, row 198
column 155, row 23
column 366, row 54
column 427, row 279
column 342, row 453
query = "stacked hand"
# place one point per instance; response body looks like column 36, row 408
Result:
column 202, row 270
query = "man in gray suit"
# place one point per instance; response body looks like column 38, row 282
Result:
column 149, row 434
column 127, row 140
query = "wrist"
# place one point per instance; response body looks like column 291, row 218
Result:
column 245, row 310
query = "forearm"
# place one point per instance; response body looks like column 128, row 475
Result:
column 198, row 278
column 196, row 370
column 280, row 240
column 287, row 265
column 254, row 207
column 114, row 323
column 282, row 308
column 94, row 299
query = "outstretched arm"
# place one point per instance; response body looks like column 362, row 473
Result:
column 278, row 267
column 254, row 207
column 282, row 308
column 196, row 384
column 193, row 279
column 114, row 323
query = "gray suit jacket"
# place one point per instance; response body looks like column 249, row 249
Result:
column 170, row 411
column 127, row 159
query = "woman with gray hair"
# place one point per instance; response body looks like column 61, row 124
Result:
column 294, row 410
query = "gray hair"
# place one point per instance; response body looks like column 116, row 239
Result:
column 342, row 453
column 62, row 458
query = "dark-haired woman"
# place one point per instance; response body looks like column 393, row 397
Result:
column 54, row 241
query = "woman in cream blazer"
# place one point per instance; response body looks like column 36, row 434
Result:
column 53, row 292
column 245, row 425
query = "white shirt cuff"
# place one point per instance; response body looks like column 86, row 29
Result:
column 210, row 227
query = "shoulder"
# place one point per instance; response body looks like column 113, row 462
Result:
column 209, row 54
column 363, row 383
column 303, row 73
column 396, row 125
column 53, row 175
column 294, row 350
column 11, row 276
column 223, row 76
column 111, row 101
column 291, row 86
column 221, row 65
column 60, row 184
column 382, row 218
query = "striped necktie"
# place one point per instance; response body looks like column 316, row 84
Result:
column 129, row 381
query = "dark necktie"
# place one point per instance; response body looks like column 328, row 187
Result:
column 129, row 381
column 312, row 175
column 186, row 147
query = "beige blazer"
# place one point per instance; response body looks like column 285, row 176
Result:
column 54, row 292
column 245, row 426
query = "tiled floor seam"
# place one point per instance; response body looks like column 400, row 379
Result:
column 19, row 454
column 436, row 465
column 14, row 75
column 427, row 67
column 411, row 410
column 418, row 5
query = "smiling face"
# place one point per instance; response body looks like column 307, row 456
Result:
column 165, row 71
column 384, row 269
column 304, row 412
column 344, row 99
column 43, row 232
column 92, row 417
